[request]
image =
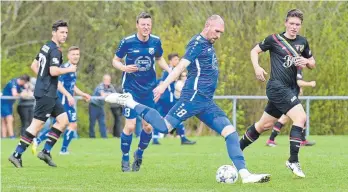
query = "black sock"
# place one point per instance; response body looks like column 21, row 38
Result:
column 304, row 135
column 23, row 144
column 249, row 137
column 296, row 137
column 276, row 129
column 52, row 138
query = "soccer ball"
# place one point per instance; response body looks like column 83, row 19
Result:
column 227, row 174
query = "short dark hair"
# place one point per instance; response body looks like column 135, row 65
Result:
column 25, row 78
column 143, row 15
column 59, row 23
column 295, row 13
column 72, row 48
column 172, row 55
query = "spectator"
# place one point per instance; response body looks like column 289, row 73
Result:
column 13, row 88
column 96, row 106
column 25, row 106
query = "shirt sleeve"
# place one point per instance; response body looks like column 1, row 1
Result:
column 14, row 84
column 159, row 50
column 307, row 53
column 193, row 50
column 266, row 44
column 121, row 51
column 56, row 57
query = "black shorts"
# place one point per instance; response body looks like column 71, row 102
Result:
column 46, row 107
column 280, row 99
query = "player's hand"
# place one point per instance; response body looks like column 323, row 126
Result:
column 260, row 74
column 72, row 68
column 130, row 68
column 301, row 91
column 158, row 91
column 313, row 83
column 86, row 97
column 71, row 100
column 301, row 61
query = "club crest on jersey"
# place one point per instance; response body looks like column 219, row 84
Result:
column 299, row 48
column 289, row 61
column 151, row 50
column 55, row 60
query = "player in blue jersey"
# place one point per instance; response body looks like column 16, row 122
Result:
column 168, row 100
column 66, row 89
column 140, row 51
column 13, row 88
column 197, row 96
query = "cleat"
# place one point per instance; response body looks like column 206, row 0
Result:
column 46, row 158
column 295, row 168
column 34, row 146
column 16, row 162
column 257, row 178
column 118, row 98
column 137, row 162
column 271, row 143
column 64, row 153
column 307, row 143
column 188, row 142
column 125, row 166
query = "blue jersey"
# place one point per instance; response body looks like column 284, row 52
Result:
column 7, row 91
column 168, row 96
column 143, row 55
column 203, row 70
column 68, row 81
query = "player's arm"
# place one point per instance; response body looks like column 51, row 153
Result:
column 302, row 83
column 54, row 63
column 306, row 58
column 254, row 55
column 163, row 64
column 116, row 62
column 70, row 98
column 78, row 91
column 35, row 66
column 178, row 87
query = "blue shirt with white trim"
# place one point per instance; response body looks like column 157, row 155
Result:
column 68, row 81
column 203, row 70
column 143, row 55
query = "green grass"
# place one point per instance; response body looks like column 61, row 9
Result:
column 94, row 165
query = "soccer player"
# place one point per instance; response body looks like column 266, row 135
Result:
column 197, row 96
column 284, row 119
column 13, row 88
column 288, row 50
column 139, row 79
column 168, row 100
column 66, row 89
column 47, row 103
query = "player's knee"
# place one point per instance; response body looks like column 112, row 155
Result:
column 262, row 126
column 62, row 121
column 223, row 126
column 147, row 127
column 129, row 126
column 300, row 120
column 73, row 126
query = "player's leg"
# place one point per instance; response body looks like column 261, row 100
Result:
column 126, row 140
column 267, row 120
column 56, row 130
column 276, row 130
column 217, row 120
column 9, row 122
column 149, row 114
column 101, row 123
column 180, row 130
column 92, row 110
column 145, row 138
column 298, row 116
column 69, row 133
column 42, row 135
column 3, row 128
column 43, row 108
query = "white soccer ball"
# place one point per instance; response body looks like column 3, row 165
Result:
column 227, row 174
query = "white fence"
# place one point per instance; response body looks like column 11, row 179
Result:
column 235, row 98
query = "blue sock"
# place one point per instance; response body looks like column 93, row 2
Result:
column 145, row 139
column 68, row 136
column 126, row 141
column 234, row 151
column 43, row 136
column 180, row 130
column 152, row 117
column 155, row 136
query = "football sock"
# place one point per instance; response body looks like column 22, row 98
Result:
column 23, row 144
column 126, row 141
column 249, row 137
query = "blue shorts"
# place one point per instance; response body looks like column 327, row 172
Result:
column 164, row 107
column 71, row 112
column 6, row 109
column 146, row 100
column 203, row 108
